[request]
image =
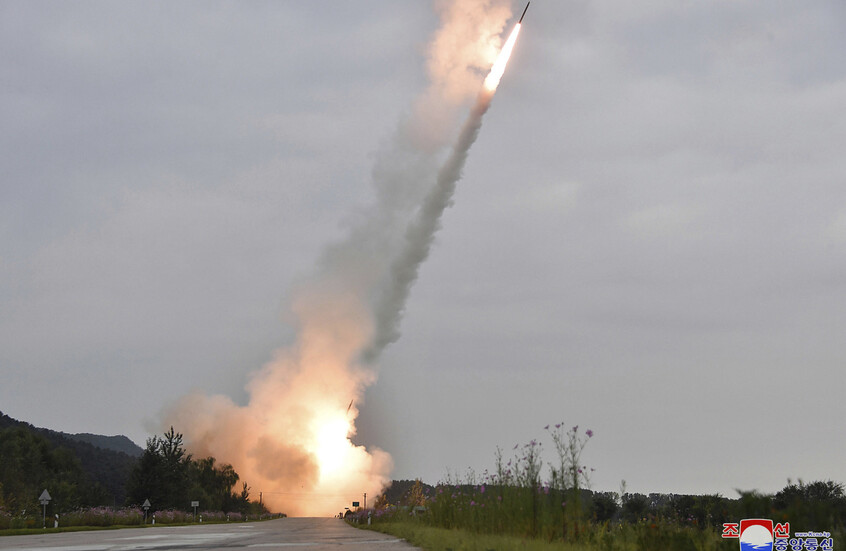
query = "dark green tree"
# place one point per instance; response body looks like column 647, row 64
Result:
column 29, row 464
column 162, row 475
column 146, row 480
column 635, row 507
column 820, row 505
column 212, row 485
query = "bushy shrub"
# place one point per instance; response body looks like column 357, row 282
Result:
column 172, row 516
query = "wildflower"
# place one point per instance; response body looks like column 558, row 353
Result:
column 557, row 425
column 472, row 503
column 576, row 428
column 589, row 433
column 546, row 427
column 515, row 446
column 482, row 489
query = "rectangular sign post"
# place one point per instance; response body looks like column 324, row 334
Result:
column 195, row 504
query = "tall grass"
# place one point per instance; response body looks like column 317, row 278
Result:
column 517, row 501
column 514, row 499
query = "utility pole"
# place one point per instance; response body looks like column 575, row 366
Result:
column 365, row 500
column 259, row 498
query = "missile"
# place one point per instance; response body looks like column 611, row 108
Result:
column 524, row 13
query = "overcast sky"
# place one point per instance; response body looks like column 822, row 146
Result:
column 648, row 240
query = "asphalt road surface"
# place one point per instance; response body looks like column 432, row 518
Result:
column 308, row 534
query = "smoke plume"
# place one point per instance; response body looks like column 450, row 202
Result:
column 292, row 440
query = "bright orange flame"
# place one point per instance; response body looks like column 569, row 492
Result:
column 332, row 446
column 492, row 80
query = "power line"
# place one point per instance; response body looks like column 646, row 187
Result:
column 312, row 495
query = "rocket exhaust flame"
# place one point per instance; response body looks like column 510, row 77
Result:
column 292, row 441
column 493, row 78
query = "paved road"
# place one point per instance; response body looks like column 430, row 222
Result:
column 308, row 534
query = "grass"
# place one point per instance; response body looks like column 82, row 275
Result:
column 34, row 531
column 602, row 538
column 515, row 507
column 442, row 539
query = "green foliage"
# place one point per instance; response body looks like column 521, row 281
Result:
column 29, row 464
column 634, row 507
column 212, row 486
column 31, row 461
column 604, row 506
column 515, row 502
column 162, row 474
column 106, row 470
column 171, row 479
column 118, row 443
column 598, row 537
column 816, row 506
column 397, row 493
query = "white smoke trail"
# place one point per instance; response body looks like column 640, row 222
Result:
column 292, row 440
column 421, row 231
column 420, row 235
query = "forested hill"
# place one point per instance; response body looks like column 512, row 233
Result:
column 118, row 443
column 105, row 468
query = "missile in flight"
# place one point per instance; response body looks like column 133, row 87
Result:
column 524, row 12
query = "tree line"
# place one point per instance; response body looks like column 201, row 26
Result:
column 168, row 476
column 165, row 474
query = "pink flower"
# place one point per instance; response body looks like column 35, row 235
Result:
column 589, row 433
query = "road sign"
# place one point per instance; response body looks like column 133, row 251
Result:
column 355, row 503
column 146, row 506
column 44, row 498
column 195, row 504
